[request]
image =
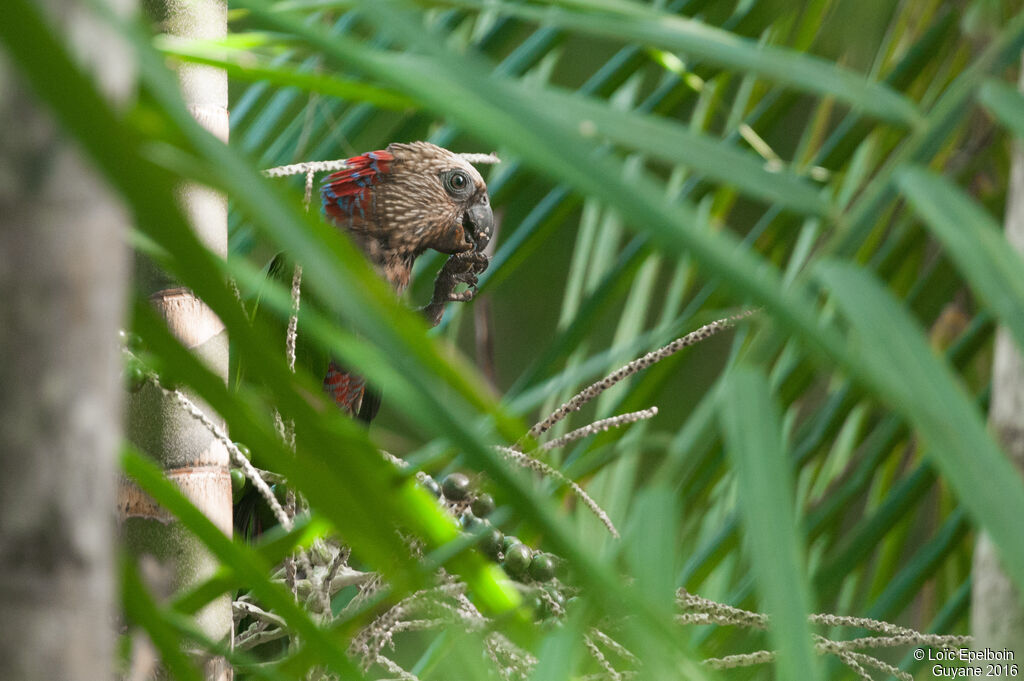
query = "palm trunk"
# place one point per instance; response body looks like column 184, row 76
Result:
column 63, row 273
column 997, row 611
column 187, row 451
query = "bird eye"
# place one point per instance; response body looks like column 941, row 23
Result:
column 456, row 182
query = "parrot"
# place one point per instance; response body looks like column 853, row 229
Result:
column 395, row 204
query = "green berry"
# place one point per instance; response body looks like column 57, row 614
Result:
column 280, row 491
column 134, row 375
column 542, row 568
column 491, row 544
column 456, row 487
column 244, row 450
column 237, row 484
column 483, row 505
column 479, row 525
column 517, row 560
column 510, row 541
column 130, row 340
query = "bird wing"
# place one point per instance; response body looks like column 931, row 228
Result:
column 348, row 390
column 346, row 194
column 351, row 393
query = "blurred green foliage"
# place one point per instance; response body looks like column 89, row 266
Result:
column 840, row 165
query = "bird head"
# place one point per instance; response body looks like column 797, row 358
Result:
column 408, row 198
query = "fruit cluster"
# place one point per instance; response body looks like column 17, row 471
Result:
column 135, row 374
column 472, row 509
column 534, row 570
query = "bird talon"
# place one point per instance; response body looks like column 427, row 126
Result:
column 465, row 267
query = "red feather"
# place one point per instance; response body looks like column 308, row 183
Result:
column 344, row 195
column 346, row 389
column 346, row 192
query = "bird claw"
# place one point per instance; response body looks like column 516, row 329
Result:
column 462, row 268
column 470, row 261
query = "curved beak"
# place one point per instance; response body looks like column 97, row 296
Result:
column 479, row 223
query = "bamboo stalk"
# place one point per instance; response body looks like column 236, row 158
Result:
column 157, row 424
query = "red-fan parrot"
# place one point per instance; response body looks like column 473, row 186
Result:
column 395, row 204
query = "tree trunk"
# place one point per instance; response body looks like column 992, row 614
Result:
column 997, row 611
column 187, row 451
column 63, row 273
